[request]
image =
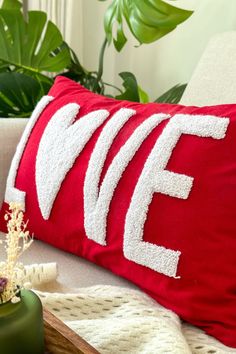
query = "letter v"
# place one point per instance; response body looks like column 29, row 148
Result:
column 60, row 145
column 97, row 201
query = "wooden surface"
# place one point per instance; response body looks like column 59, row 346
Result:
column 60, row 339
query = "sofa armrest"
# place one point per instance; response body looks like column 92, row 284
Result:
column 11, row 130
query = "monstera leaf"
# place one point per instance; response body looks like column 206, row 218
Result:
column 28, row 49
column 11, row 4
column 19, row 94
column 148, row 20
column 133, row 91
column 23, row 47
column 173, row 95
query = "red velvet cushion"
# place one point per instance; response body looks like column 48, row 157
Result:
column 145, row 190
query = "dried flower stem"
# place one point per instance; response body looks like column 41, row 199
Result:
column 17, row 241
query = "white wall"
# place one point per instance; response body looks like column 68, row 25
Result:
column 158, row 66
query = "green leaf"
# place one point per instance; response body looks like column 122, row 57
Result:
column 23, row 46
column 173, row 95
column 19, row 94
column 132, row 89
column 143, row 96
column 3, row 67
column 120, row 41
column 11, row 5
column 148, row 20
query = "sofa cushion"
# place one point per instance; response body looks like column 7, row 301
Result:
column 82, row 273
column 145, row 190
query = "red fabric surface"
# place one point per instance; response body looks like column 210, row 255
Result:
column 202, row 227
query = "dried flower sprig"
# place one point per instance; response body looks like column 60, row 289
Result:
column 17, row 241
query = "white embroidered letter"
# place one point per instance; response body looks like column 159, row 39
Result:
column 154, row 178
column 12, row 193
column 96, row 203
column 60, row 145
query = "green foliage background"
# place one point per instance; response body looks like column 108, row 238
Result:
column 31, row 47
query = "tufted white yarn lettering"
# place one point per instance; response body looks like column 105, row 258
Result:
column 97, row 202
column 61, row 143
column 154, row 178
column 12, row 193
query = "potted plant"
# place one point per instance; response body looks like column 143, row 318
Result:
column 27, row 57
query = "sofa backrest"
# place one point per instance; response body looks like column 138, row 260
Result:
column 214, row 79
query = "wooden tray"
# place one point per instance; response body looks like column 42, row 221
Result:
column 60, row 339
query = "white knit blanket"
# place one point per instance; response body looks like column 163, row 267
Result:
column 120, row 320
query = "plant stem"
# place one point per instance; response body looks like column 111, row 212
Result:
column 101, row 60
column 113, row 86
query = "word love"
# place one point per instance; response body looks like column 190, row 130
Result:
column 64, row 138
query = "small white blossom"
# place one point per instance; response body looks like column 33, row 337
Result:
column 15, row 299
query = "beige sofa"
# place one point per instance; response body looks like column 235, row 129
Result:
column 213, row 82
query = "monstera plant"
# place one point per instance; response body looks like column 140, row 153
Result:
column 33, row 52
column 148, row 21
column 25, row 57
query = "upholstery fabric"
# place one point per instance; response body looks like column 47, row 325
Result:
column 10, row 133
column 214, row 79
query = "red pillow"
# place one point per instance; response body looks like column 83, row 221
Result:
column 146, row 190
